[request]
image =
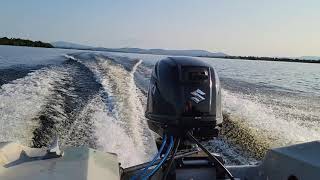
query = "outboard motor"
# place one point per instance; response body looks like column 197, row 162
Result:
column 184, row 95
column 184, row 105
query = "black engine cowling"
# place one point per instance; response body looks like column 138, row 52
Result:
column 184, row 95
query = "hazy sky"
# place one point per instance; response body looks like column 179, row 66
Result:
column 236, row 27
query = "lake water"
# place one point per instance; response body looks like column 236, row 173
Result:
column 98, row 98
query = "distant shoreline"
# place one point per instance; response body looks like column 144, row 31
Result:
column 274, row 59
column 23, row 42
column 29, row 43
column 249, row 58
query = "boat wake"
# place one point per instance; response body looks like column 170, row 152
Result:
column 88, row 100
column 254, row 127
column 98, row 100
column 22, row 99
column 125, row 122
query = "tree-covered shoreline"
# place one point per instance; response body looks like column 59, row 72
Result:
column 23, row 42
column 275, row 59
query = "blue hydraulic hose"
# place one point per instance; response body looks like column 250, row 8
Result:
column 142, row 172
column 162, row 161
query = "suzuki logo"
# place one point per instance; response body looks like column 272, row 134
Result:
column 198, row 96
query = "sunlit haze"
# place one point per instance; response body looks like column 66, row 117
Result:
column 249, row 27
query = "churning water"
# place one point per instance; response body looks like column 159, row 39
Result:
column 97, row 99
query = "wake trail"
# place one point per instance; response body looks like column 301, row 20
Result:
column 122, row 109
column 22, row 99
column 98, row 101
column 62, row 113
column 255, row 127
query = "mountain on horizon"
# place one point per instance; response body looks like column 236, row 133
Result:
column 64, row 44
column 69, row 45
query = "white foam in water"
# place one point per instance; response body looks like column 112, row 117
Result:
column 120, row 129
column 302, row 110
column 70, row 57
column 22, row 100
column 111, row 137
column 258, row 116
column 230, row 153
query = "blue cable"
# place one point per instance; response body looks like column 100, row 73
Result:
column 162, row 161
column 142, row 172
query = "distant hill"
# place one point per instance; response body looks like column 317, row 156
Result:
column 164, row 51
column 68, row 45
column 23, row 42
